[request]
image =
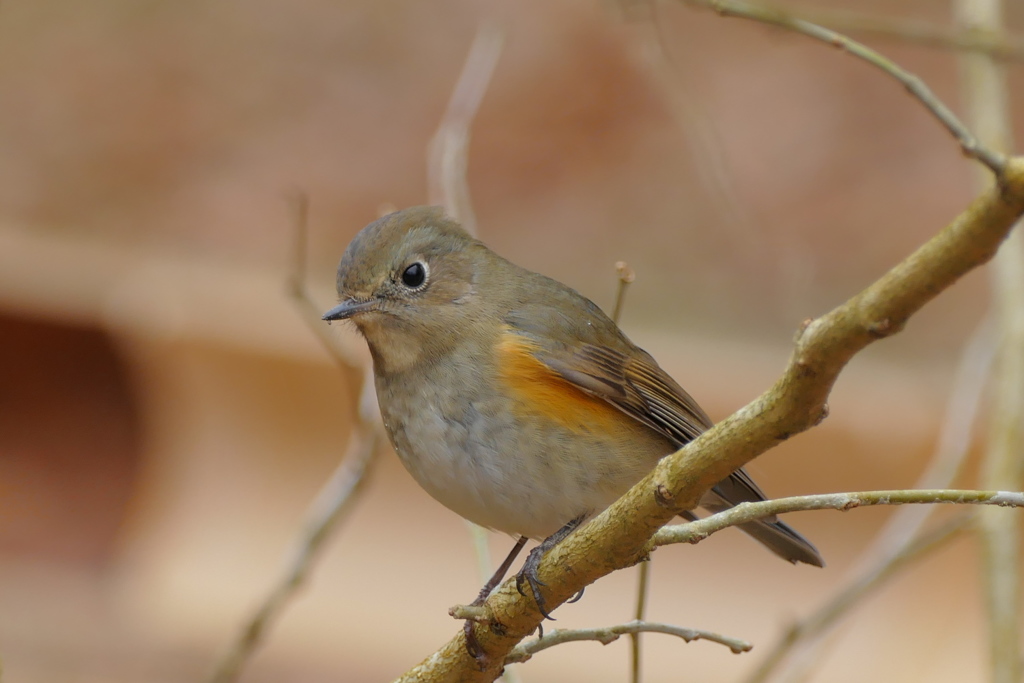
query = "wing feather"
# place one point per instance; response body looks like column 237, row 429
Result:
column 633, row 383
column 593, row 355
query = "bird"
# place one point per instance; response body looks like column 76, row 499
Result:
column 513, row 400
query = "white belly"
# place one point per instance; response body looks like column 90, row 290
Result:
column 516, row 474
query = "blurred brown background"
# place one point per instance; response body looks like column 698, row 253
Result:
column 165, row 416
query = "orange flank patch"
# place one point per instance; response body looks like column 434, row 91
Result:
column 541, row 391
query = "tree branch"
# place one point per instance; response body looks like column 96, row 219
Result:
column 776, row 17
column 994, row 45
column 987, row 101
column 338, row 495
column 447, row 154
column 900, row 540
column 524, row 651
column 328, row 509
column 694, row 532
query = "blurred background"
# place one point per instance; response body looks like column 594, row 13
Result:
column 166, row 416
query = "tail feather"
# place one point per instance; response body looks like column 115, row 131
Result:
column 777, row 536
column 782, row 540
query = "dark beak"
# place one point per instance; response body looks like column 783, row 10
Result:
column 349, row 308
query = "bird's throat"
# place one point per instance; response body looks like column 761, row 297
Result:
column 393, row 349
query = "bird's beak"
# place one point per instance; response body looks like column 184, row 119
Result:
column 349, row 308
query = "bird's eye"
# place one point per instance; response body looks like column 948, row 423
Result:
column 415, row 275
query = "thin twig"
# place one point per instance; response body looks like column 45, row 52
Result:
column 956, row 434
column 296, row 288
column 803, row 641
column 626, row 276
column 697, row 124
column 1000, row 533
column 996, row 46
column 782, row 19
column 988, row 106
column 525, row 650
column 330, row 506
column 478, row 535
column 338, row 495
column 448, row 151
column 694, row 532
column 642, row 588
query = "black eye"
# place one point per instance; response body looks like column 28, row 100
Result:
column 414, row 276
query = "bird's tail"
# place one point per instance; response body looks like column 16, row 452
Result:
column 782, row 540
column 777, row 536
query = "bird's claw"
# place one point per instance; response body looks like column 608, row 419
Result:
column 473, row 646
column 528, row 575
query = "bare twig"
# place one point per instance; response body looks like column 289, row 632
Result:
column 782, row 19
column 524, row 651
column 697, row 125
column 891, row 548
column 308, row 309
column 696, row 531
column 330, row 506
column 954, row 443
column 642, row 588
column 1000, row 532
column 1003, row 47
column 987, row 100
column 478, row 535
column 626, row 276
column 338, row 494
column 447, row 155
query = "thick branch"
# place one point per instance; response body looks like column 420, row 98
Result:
column 825, row 345
column 900, row 540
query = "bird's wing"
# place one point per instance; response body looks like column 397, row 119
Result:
column 633, row 384
column 588, row 351
column 636, row 385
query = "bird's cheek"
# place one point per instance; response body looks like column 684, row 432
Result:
column 464, row 294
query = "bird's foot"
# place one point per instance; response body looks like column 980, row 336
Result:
column 527, row 576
